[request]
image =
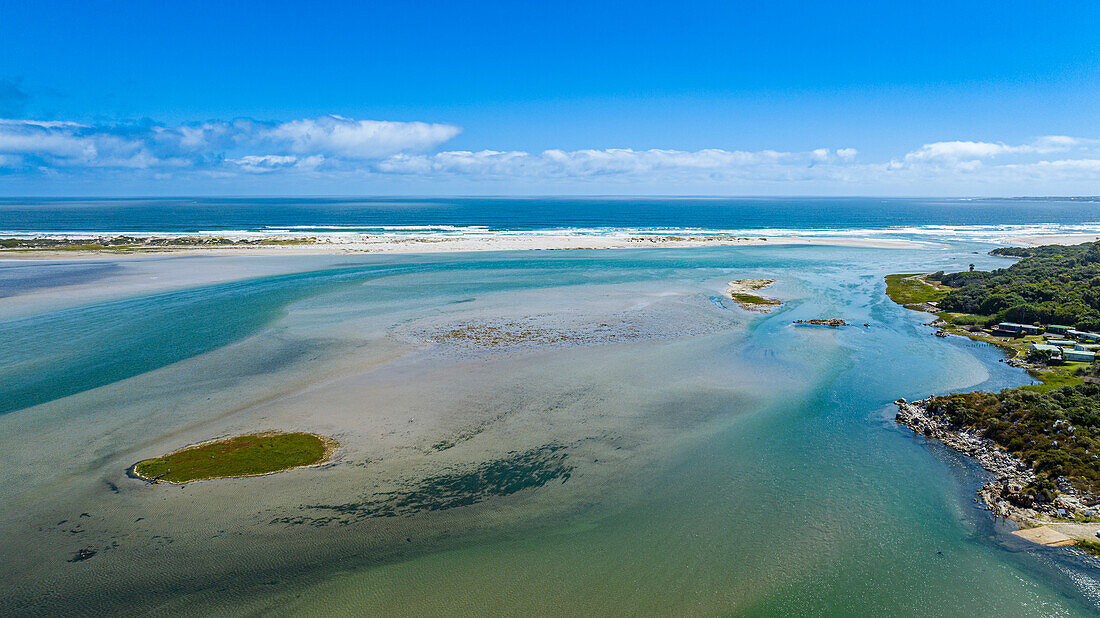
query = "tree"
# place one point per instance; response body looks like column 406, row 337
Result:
column 1040, row 356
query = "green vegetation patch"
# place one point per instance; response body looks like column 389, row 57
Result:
column 1088, row 546
column 753, row 299
column 1052, row 284
column 916, row 291
column 250, row 455
column 1056, row 432
column 913, row 291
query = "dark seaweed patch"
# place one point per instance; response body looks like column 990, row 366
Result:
column 501, row 477
column 82, row 555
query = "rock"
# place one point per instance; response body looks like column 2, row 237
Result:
column 1004, row 496
column 831, row 322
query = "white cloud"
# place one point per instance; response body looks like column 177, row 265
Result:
column 246, row 144
column 357, row 139
column 262, row 164
column 343, row 152
column 623, row 163
column 965, row 153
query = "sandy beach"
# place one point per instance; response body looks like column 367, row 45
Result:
column 1054, row 239
column 336, row 244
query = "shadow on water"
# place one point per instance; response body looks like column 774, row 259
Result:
column 499, row 477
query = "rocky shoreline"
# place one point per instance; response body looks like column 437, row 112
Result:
column 1007, row 495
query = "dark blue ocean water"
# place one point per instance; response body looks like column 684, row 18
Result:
column 182, row 215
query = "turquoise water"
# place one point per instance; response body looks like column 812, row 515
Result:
column 724, row 462
column 926, row 218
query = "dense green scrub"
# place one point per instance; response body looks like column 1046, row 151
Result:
column 250, row 455
column 1056, row 432
column 1053, row 284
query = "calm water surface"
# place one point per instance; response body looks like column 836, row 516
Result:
column 793, row 492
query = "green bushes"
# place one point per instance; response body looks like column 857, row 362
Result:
column 1053, row 284
column 1057, row 432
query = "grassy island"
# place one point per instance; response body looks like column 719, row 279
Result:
column 237, row 456
column 742, row 292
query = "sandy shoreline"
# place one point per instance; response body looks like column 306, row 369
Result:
column 1060, row 239
column 336, row 244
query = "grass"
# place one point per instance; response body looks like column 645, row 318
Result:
column 753, row 299
column 286, row 241
column 249, row 455
column 1063, row 375
column 912, row 291
column 1088, row 546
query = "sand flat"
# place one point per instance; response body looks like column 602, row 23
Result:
column 1045, row 535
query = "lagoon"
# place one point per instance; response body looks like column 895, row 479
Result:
column 654, row 450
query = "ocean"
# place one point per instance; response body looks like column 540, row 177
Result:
column 705, row 460
column 988, row 219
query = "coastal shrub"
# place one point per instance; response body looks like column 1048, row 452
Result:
column 1057, row 432
column 1053, row 284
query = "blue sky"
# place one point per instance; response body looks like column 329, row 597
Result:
column 882, row 98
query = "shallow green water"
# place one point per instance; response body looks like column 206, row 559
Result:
column 794, row 494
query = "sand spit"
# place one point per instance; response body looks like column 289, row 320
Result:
column 330, row 244
column 1043, row 239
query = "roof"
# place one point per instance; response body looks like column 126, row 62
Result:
column 1017, row 326
column 1043, row 346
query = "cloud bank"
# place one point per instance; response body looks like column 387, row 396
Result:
column 336, row 151
column 244, row 145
